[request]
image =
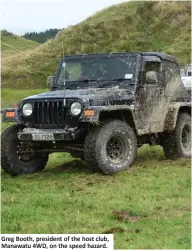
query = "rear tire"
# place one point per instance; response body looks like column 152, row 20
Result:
column 11, row 162
column 111, row 147
column 178, row 143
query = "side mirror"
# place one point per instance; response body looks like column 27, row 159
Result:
column 152, row 77
column 50, row 82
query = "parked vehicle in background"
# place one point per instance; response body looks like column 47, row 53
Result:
column 186, row 76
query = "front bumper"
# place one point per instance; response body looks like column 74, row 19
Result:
column 32, row 134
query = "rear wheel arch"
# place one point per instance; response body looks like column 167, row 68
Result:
column 172, row 116
column 185, row 109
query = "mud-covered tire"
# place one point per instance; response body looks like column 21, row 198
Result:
column 10, row 161
column 178, row 143
column 100, row 151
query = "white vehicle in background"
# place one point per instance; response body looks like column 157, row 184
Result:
column 186, row 76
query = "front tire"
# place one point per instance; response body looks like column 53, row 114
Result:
column 178, row 143
column 111, row 147
column 12, row 162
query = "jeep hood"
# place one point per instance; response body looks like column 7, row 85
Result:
column 91, row 96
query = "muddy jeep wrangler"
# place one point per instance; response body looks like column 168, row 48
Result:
column 101, row 108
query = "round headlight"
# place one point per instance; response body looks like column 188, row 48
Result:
column 27, row 109
column 76, row 108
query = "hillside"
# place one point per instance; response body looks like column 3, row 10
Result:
column 11, row 44
column 130, row 26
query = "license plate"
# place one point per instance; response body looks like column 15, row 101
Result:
column 43, row 137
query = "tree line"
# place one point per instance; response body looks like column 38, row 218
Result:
column 41, row 37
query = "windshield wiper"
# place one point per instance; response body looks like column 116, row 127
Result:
column 118, row 79
column 87, row 80
column 111, row 80
column 101, row 82
column 72, row 83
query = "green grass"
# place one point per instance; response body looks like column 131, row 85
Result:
column 12, row 44
column 68, row 197
column 9, row 97
column 131, row 26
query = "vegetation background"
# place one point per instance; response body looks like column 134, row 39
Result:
column 41, row 37
column 68, row 197
column 132, row 26
column 12, row 44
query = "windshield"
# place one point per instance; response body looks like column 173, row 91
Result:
column 98, row 69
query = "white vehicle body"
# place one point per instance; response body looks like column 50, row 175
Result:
column 186, row 76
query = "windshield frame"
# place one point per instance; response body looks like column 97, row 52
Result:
column 95, row 83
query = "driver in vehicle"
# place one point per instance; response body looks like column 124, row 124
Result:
column 92, row 71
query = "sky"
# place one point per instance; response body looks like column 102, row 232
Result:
column 21, row 16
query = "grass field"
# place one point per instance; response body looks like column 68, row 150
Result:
column 68, row 197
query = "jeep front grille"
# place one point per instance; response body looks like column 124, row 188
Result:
column 49, row 112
